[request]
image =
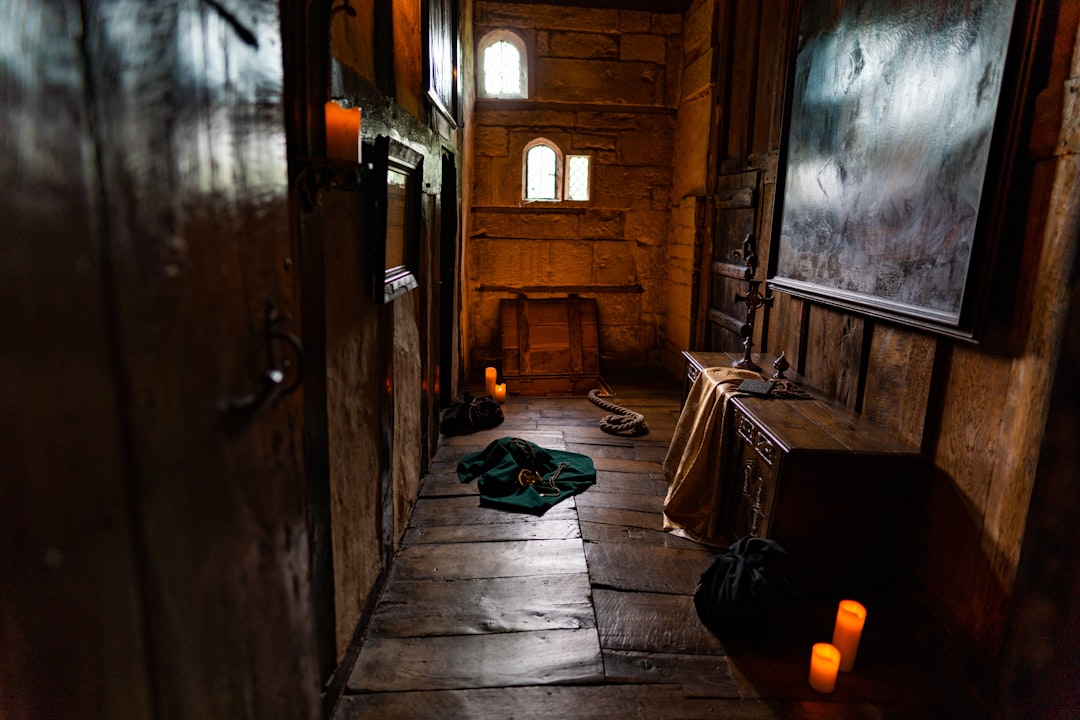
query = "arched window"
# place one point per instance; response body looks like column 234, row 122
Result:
column 547, row 175
column 542, row 171
column 503, row 66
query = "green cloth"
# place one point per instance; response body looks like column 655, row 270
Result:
column 496, row 469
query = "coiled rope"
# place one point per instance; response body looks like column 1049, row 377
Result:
column 624, row 422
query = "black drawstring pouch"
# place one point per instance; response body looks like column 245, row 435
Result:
column 470, row 414
column 744, row 594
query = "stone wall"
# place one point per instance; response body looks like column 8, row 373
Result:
column 603, row 83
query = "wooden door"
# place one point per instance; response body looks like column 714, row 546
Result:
column 187, row 102
column 72, row 635
column 735, row 205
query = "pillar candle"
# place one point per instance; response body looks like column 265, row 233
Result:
column 500, row 392
column 342, row 132
column 824, row 663
column 489, row 380
column 849, row 626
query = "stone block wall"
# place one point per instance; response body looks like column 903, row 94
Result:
column 603, row 83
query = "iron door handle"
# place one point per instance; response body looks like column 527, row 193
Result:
column 274, row 383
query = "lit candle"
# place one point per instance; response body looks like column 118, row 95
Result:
column 342, row 132
column 500, row 392
column 850, row 618
column 824, row 662
column 489, row 380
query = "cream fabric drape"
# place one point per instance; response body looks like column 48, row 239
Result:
column 693, row 461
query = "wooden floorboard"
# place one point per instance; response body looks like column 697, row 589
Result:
column 470, row 661
column 467, row 511
column 607, row 702
column 419, row 608
column 641, row 502
column 699, row 675
column 622, row 518
column 646, row 568
column 652, row 622
column 446, row 484
column 539, row 529
column 619, row 482
column 607, row 533
column 463, row 561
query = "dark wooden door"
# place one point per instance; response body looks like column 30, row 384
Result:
column 735, row 205
column 71, row 627
column 188, row 110
column 448, row 291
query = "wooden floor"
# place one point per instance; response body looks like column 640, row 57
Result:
column 587, row 611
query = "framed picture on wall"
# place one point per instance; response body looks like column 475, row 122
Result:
column 441, row 66
column 902, row 123
column 395, row 175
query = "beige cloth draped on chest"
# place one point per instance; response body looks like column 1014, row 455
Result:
column 692, row 463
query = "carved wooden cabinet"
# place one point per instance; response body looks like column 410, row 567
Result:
column 831, row 487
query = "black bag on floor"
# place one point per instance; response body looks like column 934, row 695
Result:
column 744, row 594
column 470, row 414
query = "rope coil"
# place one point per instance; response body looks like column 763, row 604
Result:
column 623, row 421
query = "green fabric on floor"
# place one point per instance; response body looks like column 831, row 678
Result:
column 496, row 468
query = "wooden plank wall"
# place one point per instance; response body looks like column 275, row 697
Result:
column 977, row 411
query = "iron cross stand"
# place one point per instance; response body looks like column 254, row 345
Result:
column 753, row 299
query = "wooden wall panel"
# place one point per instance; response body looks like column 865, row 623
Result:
column 354, row 361
column 785, row 327
column 899, row 379
column 834, row 345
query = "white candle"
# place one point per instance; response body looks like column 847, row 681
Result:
column 500, row 392
column 824, row 662
column 850, row 618
column 489, row 380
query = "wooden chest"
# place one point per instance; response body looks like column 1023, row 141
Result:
column 831, row 487
column 550, row 345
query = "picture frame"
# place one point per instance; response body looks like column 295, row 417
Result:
column 395, row 174
column 441, row 57
column 903, row 123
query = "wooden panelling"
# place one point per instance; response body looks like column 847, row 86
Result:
column 834, row 343
column 786, row 330
column 899, row 378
